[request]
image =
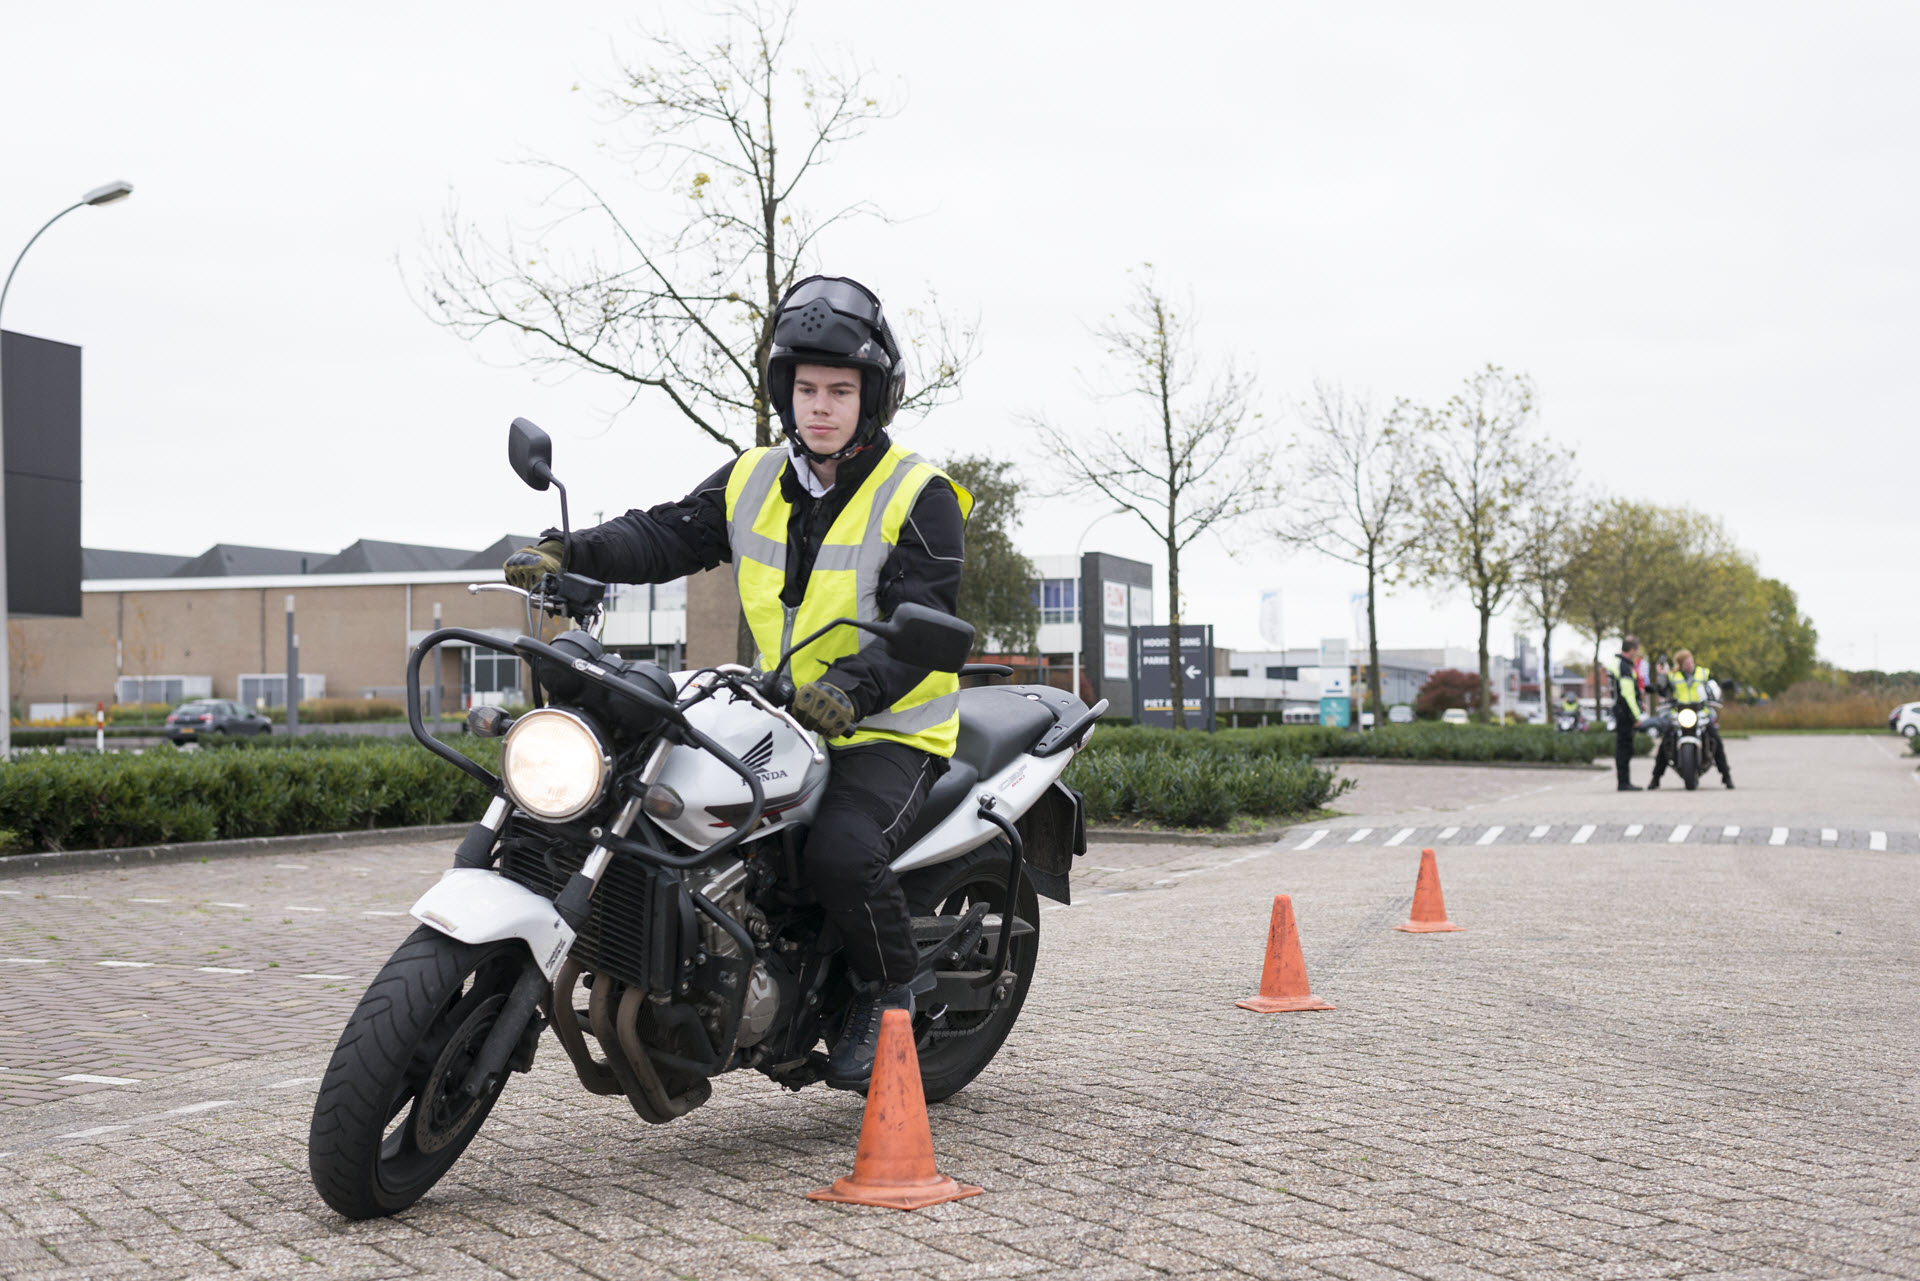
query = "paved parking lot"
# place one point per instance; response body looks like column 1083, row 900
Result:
column 1644, row 1057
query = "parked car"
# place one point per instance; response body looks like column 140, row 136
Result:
column 1454, row 716
column 1905, row 719
column 1400, row 714
column 204, row 717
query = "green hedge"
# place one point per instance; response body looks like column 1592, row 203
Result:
column 1197, row 788
column 87, row 802
column 1419, row 742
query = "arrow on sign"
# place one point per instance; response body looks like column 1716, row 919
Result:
column 1193, row 673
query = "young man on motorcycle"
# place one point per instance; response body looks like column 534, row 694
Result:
column 1687, row 683
column 840, row 522
column 1627, row 685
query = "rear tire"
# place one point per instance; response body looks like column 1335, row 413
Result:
column 388, row 1122
column 1688, row 763
column 962, row 1045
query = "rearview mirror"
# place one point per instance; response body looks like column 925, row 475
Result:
column 923, row 637
column 530, row 452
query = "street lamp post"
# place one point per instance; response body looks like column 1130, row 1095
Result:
column 1079, row 596
column 98, row 196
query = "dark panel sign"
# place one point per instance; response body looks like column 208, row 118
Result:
column 40, row 404
column 1155, row 680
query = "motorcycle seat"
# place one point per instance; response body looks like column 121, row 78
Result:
column 997, row 724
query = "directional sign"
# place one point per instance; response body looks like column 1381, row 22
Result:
column 1155, row 684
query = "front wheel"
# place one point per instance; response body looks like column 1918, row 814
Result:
column 1688, row 764
column 390, row 1118
column 958, row 1046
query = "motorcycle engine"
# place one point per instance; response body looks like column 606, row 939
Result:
column 760, row 1004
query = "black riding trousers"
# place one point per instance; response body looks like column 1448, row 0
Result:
column 871, row 799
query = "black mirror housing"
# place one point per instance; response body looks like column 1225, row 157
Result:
column 925, row 637
column 530, row 453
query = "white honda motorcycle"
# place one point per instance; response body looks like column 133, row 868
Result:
column 641, row 855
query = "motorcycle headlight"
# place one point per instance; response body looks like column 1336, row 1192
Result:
column 553, row 764
column 1688, row 718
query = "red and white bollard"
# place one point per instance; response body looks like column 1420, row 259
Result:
column 100, row 728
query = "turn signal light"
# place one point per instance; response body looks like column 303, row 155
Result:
column 488, row 722
column 663, row 803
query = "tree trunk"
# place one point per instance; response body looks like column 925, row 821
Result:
column 1546, row 671
column 1176, row 677
column 1486, row 666
column 1373, row 652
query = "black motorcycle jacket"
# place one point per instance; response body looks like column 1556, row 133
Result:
column 673, row 540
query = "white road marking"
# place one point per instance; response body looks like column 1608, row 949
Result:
column 69, row 896
column 1312, row 840
column 24, row 960
column 127, row 965
column 1487, row 837
column 1728, row 833
column 1538, row 832
column 1779, row 836
column 1400, row 836
column 1633, row 829
column 1360, row 834
column 301, row 1080
column 208, row 1106
column 87, row 1078
column 13, row 892
column 290, row 867
column 220, row 969
column 1876, row 840
column 149, row 900
column 1092, row 869
column 343, row 977
column 303, row 909
column 1584, row 835
column 226, row 905
column 1448, row 834
column 1679, row 834
column 98, row 1129
column 1829, row 834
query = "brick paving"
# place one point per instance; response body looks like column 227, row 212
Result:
column 1640, row 1059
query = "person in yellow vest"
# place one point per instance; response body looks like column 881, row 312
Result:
column 1687, row 682
column 838, row 522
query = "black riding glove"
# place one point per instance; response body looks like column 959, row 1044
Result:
column 824, row 709
column 526, row 567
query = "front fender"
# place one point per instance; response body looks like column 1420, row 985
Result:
column 476, row 905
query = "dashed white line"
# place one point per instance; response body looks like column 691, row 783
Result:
column 342, row 977
column 290, row 867
column 1539, row 832
column 81, row 896
column 12, row 892
column 88, row 1078
column 290, row 1082
column 89, row 1133
column 1448, row 834
column 1829, row 834
column 127, row 965
column 1093, row 869
column 1487, row 837
column 149, row 900
column 220, row 969
column 1779, row 836
column 1876, row 840
column 1400, row 836
column 1313, row 840
column 291, row 908
column 226, row 905
column 1360, row 834
column 208, row 1106
column 1728, row 833
column 1679, row 833
column 1634, row 830
column 24, row 960
column 1584, row 835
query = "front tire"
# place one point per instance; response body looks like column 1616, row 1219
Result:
column 1689, row 765
column 389, row 1121
column 959, row 1047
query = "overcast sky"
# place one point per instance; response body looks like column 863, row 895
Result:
column 1692, row 225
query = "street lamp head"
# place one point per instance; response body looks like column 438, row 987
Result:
column 108, row 194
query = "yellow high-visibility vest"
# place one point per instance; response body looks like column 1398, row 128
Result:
column 1689, row 690
column 845, row 583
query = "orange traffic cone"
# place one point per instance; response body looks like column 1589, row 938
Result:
column 1283, row 982
column 1429, row 909
column 893, row 1166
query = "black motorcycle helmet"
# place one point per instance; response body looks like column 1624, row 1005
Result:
column 831, row 320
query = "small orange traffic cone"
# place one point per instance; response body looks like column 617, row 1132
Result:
column 1429, row 909
column 1283, row 981
column 893, row 1166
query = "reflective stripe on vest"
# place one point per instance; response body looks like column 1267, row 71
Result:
column 1689, row 691
column 844, row 582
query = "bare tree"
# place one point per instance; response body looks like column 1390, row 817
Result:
column 1350, row 497
column 1551, row 541
column 684, row 305
column 1190, row 462
column 1478, row 464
